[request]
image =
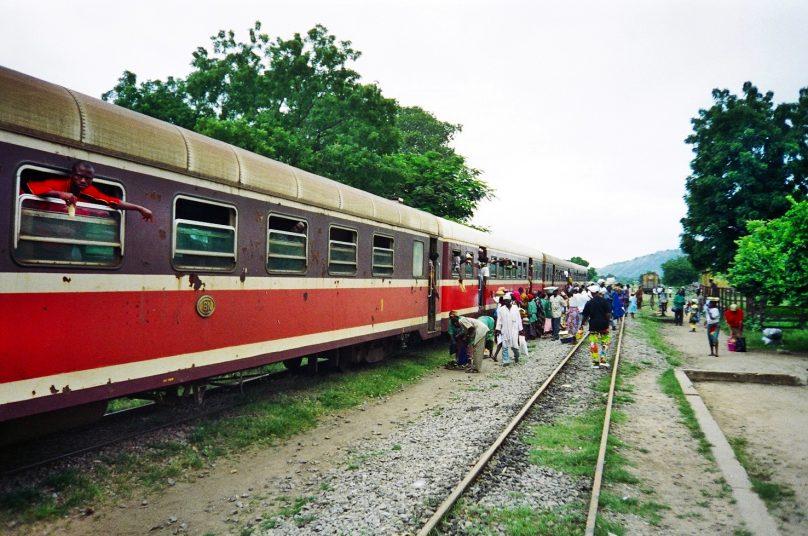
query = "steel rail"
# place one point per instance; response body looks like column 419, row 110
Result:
column 604, row 438
column 458, row 490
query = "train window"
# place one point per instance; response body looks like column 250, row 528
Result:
column 287, row 243
column 456, row 260
column 341, row 251
column 500, row 270
column 47, row 231
column 469, row 269
column 204, row 235
column 383, row 255
column 417, row 259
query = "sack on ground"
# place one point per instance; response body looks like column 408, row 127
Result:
column 731, row 344
column 740, row 344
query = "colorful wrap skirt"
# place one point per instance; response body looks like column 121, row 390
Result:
column 713, row 331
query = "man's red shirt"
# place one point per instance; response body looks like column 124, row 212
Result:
column 91, row 193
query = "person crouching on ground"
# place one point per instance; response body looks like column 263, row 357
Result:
column 734, row 318
column 471, row 332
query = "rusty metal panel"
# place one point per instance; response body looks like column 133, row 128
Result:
column 319, row 191
column 30, row 105
column 211, row 158
column 268, row 176
column 121, row 131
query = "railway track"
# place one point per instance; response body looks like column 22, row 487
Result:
column 390, row 484
column 433, row 525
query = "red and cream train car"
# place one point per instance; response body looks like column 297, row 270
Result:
column 247, row 261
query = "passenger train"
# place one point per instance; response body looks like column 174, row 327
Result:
column 247, row 261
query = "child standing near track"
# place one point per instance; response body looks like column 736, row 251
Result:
column 693, row 314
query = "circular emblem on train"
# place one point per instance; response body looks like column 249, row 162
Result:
column 205, row 306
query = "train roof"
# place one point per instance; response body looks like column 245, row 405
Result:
column 48, row 111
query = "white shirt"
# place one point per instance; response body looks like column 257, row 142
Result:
column 509, row 324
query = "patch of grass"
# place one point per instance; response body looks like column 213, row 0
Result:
column 648, row 510
column 571, row 444
column 651, row 326
column 566, row 520
column 58, row 494
column 670, row 386
column 120, row 404
column 261, row 421
column 794, row 340
column 771, row 492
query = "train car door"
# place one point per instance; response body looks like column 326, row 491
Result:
column 434, row 271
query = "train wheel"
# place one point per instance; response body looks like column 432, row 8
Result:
column 293, row 364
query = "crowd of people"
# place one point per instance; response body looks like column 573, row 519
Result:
column 560, row 314
column 707, row 311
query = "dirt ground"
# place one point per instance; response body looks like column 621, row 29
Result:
column 223, row 499
column 771, row 418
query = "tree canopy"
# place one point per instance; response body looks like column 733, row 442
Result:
column 749, row 155
column 298, row 101
column 678, row 272
column 772, row 260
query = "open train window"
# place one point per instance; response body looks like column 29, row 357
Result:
column 469, row 268
column 48, row 232
column 383, row 253
column 417, row 258
column 204, row 235
column 342, row 251
column 287, row 245
column 456, row 260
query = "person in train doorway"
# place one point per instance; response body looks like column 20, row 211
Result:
column 556, row 310
column 598, row 312
column 509, row 326
column 472, row 333
column 78, row 186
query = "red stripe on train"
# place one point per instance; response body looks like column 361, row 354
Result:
column 64, row 332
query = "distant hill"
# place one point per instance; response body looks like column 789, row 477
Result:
column 634, row 268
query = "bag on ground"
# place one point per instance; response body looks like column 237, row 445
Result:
column 523, row 346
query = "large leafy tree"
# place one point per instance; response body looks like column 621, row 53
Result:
column 772, row 260
column 298, row 101
column 678, row 272
column 749, row 155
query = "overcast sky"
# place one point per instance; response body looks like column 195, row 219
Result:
column 575, row 114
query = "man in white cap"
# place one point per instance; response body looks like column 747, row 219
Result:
column 598, row 311
column 509, row 326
